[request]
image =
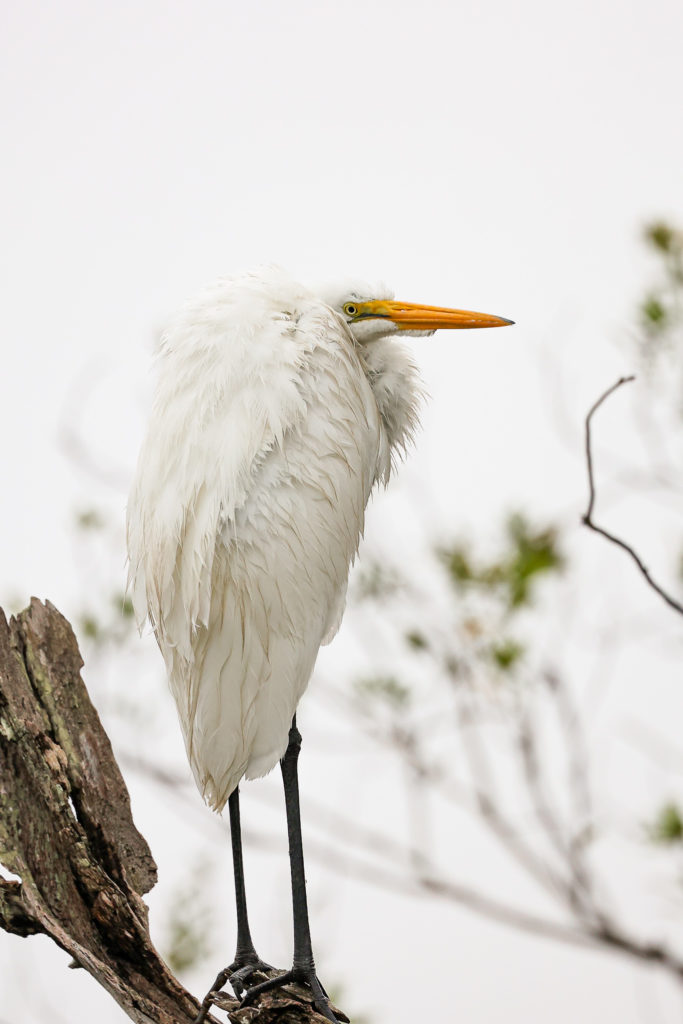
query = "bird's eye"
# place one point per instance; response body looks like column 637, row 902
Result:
column 350, row 309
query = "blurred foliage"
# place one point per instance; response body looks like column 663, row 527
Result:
column 661, row 311
column 506, row 653
column 189, row 925
column 374, row 581
column 530, row 553
column 111, row 620
column 667, row 827
column 112, row 626
column 662, row 236
column 654, row 313
column 90, row 519
column 478, row 638
column 418, row 641
column 387, row 688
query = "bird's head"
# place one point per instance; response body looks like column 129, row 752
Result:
column 374, row 313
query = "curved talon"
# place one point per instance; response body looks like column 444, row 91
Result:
column 237, row 973
column 321, row 1000
column 265, row 986
column 221, row 979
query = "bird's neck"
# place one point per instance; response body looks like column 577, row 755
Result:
column 398, row 391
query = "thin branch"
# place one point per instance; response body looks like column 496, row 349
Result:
column 569, row 721
column 490, row 811
column 602, row 935
column 569, row 847
column 436, row 885
column 588, row 515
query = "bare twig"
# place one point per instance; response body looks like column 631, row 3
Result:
column 570, row 723
column 491, row 813
column 578, row 880
column 588, row 515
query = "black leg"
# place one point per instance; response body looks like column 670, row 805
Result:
column 303, row 967
column 247, row 960
column 303, row 951
column 245, row 952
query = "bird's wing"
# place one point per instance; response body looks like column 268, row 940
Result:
column 241, row 534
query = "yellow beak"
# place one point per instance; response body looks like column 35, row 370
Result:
column 409, row 316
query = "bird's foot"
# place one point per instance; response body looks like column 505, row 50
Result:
column 240, row 970
column 298, row 976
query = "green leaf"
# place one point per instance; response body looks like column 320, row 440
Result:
column 530, row 552
column 418, row 641
column 123, row 604
column 668, row 825
column 458, row 565
column 654, row 313
column 534, row 552
column 90, row 627
column 506, row 654
column 661, row 236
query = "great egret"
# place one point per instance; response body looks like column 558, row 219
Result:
column 276, row 411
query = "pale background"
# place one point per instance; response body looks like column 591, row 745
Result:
column 493, row 156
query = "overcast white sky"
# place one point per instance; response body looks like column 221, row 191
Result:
column 487, row 155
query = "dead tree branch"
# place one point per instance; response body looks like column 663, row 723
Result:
column 587, row 518
column 67, row 833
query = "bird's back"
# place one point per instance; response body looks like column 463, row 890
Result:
column 246, row 512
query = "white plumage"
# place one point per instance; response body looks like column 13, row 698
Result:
column 275, row 413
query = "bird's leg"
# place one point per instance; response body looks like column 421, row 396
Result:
column 303, row 967
column 247, row 961
column 303, row 950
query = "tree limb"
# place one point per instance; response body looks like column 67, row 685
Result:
column 67, row 833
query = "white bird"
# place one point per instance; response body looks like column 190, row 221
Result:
column 276, row 412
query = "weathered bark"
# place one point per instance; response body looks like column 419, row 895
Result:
column 67, row 832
